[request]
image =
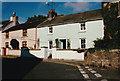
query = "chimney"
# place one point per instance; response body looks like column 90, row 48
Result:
column 14, row 18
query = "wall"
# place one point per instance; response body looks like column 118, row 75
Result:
column 67, row 55
column 106, row 59
column 0, row 41
column 40, row 53
column 14, row 52
column 72, row 31
column 18, row 35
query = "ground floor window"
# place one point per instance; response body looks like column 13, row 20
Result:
column 50, row 44
column 83, row 43
column 24, row 44
column 7, row 44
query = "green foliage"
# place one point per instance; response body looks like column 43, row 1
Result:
column 40, row 18
column 112, row 28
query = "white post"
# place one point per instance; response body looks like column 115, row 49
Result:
column 44, row 51
column 54, row 55
column 7, row 51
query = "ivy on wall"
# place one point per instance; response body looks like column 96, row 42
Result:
column 112, row 27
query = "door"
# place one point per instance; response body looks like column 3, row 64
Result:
column 63, row 44
column 4, row 51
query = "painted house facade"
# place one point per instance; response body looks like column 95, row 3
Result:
column 19, row 38
column 75, row 31
column 19, row 35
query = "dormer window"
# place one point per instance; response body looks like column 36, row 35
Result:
column 83, row 26
column 50, row 30
column 7, row 35
column 25, row 32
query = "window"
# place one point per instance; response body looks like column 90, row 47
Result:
column 83, row 43
column 50, row 44
column 83, row 26
column 25, row 32
column 50, row 29
column 7, row 44
column 7, row 35
column 24, row 44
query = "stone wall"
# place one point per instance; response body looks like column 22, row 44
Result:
column 106, row 59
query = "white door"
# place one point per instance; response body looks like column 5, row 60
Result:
column 61, row 45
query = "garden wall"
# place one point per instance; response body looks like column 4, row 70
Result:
column 106, row 59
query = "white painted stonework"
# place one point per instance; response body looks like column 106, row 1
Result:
column 73, row 32
column 67, row 55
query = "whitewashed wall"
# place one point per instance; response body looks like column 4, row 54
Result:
column 40, row 53
column 0, row 41
column 18, row 35
column 94, row 30
column 13, row 52
column 67, row 55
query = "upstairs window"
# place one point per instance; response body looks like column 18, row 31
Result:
column 50, row 30
column 7, row 35
column 83, row 26
column 24, row 44
column 25, row 32
column 83, row 43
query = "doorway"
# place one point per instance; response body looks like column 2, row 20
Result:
column 63, row 43
column 14, row 43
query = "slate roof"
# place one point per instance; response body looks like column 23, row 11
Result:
column 74, row 18
column 4, row 24
column 24, row 26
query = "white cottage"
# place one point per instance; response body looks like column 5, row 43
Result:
column 74, row 31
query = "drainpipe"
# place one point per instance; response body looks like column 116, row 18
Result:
column 36, row 38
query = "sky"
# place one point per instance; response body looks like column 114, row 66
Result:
column 29, row 9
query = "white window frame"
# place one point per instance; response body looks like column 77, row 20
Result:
column 63, row 39
column 81, row 27
column 49, row 30
column 81, row 43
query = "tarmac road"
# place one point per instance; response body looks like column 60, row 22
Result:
column 24, row 68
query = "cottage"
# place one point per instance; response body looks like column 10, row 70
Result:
column 15, row 36
column 74, row 31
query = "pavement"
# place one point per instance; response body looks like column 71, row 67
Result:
column 35, row 69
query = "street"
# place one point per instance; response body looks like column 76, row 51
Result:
column 28, row 68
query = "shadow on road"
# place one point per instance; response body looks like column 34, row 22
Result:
column 17, row 68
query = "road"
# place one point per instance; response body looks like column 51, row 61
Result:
column 22, row 68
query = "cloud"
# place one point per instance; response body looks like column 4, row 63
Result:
column 22, row 20
column 78, row 6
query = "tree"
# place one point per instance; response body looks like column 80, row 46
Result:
column 40, row 18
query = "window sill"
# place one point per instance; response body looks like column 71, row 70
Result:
column 82, row 31
column 50, row 33
column 24, row 36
